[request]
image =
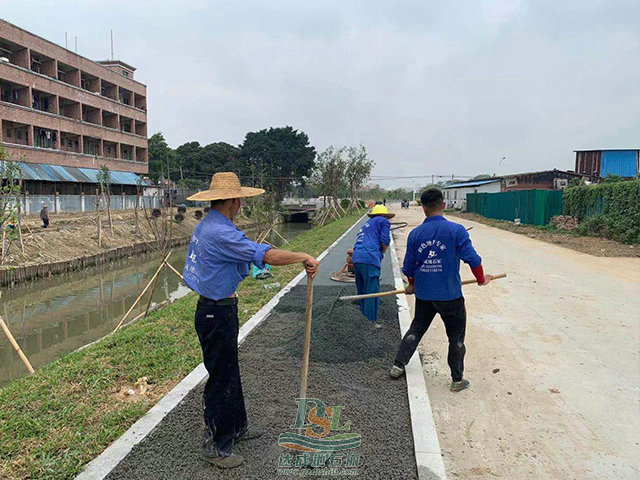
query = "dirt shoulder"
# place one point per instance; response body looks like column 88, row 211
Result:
column 74, row 235
column 599, row 247
column 553, row 360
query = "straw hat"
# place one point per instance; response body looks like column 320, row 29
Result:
column 225, row 185
column 382, row 211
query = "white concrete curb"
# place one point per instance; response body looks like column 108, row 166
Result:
column 425, row 438
column 102, row 465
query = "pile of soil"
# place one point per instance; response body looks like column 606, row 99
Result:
column 596, row 246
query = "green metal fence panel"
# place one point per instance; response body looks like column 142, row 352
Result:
column 533, row 207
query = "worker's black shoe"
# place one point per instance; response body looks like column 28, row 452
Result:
column 460, row 385
column 211, row 454
column 231, row 461
column 396, row 372
column 249, row 434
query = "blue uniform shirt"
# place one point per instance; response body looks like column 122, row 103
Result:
column 369, row 241
column 219, row 257
column 434, row 251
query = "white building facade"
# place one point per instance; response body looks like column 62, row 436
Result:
column 455, row 195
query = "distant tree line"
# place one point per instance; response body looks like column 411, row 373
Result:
column 277, row 159
column 280, row 160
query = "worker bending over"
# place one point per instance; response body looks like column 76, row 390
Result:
column 372, row 242
column 218, row 259
column 432, row 264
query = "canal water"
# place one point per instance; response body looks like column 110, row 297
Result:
column 53, row 316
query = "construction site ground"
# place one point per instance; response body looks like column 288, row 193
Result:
column 553, row 360
column 596, row 246
column 349, row 366
column 73, row 235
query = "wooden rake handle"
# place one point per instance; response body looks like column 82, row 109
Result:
column 307, row 338
column 400, row 291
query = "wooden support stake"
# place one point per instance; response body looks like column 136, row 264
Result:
column 278, row 233
column 17, row 348
column 153, row 289
column 307, row 339
column 143, row 292
column 174, row 270
column 400, row 291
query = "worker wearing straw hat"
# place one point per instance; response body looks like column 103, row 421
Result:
column 218, row 259
column 372, row 242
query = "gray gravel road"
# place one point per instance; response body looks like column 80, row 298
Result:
column 348, row 367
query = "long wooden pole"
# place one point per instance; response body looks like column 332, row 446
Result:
column 153, row 289
column 401, row 290
column 17, row 348
column 307, row 339
column 174, row 270
column 143, row 292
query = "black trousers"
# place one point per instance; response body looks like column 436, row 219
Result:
column 224, row 412
column 454, row 316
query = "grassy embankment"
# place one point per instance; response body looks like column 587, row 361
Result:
column 55, row 421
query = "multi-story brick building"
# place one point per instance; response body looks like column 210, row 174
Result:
column 64, row 116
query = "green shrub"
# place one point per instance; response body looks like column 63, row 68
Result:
column 611, row 198
column 610, row 209
column 344, row 203
column 623, row 228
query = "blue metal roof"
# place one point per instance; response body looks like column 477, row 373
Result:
column 57, row 173
column 473, row 184
column 619, row 162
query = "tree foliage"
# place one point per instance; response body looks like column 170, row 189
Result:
column 357, row 172
column 276, row 158
column 159, row 153
column 328, row 177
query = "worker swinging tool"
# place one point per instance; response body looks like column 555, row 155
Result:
column 348, row 272
column 431, row 265
column 218, row 259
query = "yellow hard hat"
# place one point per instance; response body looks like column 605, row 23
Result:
column 381, row 210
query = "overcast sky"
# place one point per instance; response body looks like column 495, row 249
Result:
column 428, row 87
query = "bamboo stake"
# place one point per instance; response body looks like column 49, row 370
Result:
column 143, row 292
column 278, row 233
column 400, row 291
column 153, row 289
column 174, row 270
column 307, row 338
column 17, row 348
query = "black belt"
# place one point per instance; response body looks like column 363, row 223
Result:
column 224, row 301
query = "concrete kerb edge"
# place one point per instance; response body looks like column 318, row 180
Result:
column 425, row 438
column 102, row 465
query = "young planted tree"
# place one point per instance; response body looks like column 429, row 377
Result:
column 328, row 179
column 9, row 202
column 357, row 173
column 104, row 179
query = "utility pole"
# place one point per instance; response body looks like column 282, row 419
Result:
column 111, row 44
column 76, row 44
column 65, row 41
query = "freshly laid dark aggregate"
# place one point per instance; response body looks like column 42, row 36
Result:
column 349, row 366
